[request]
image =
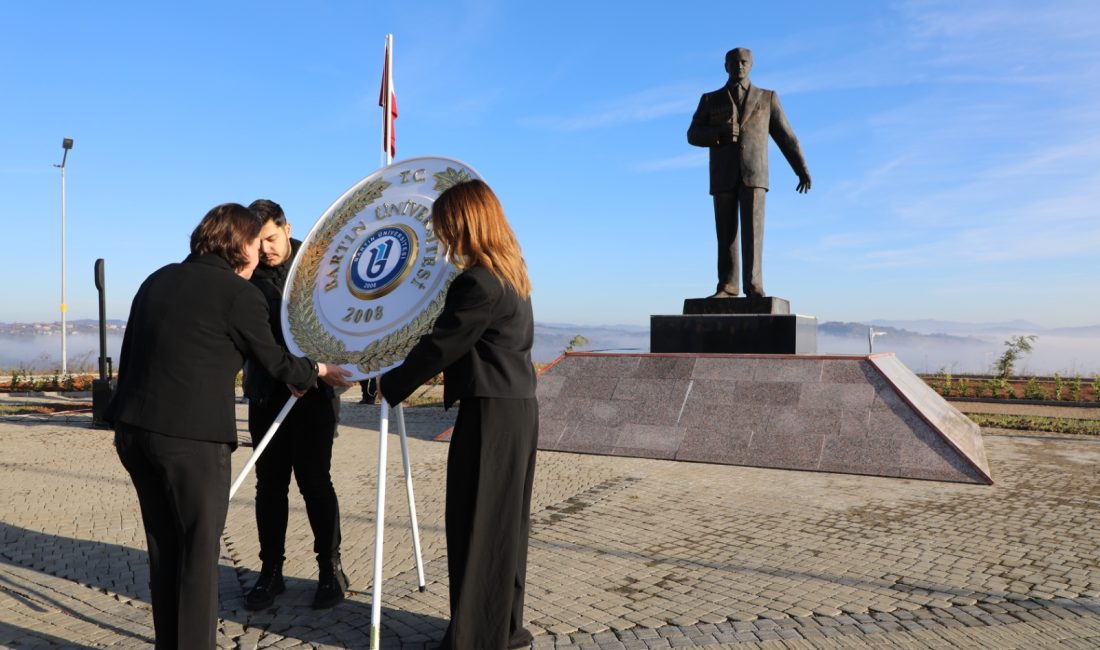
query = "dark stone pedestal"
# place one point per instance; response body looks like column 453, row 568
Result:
column 761, row 305
column 733, row 333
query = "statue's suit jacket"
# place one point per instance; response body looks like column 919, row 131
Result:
column 745, row 160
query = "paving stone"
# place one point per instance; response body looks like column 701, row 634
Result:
column 618, row 546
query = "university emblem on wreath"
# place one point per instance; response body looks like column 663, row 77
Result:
column 370, row 278
column 382, row 261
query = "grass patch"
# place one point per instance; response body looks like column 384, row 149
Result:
column 425, row 399
column 41, row 409
column 1037, row 423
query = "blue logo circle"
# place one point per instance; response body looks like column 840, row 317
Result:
column 381, row 261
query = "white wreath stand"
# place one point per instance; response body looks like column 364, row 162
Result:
column 379, row 507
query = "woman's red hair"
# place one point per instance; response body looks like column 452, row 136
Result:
column 469, row 220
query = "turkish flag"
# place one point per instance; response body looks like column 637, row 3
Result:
column 388, row 101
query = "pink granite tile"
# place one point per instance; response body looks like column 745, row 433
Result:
column 846, row 371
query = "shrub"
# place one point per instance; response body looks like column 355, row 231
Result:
column 996, row 386
column 945, row 382
column 1032, row 390
column 1075, row 388
column 1059, row 386
column 964, row 387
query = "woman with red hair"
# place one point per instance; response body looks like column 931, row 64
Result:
column 482, row 344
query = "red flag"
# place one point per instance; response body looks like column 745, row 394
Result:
column 387, row 99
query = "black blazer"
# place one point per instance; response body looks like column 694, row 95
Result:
column 320, row 405
column 481, row 341
column 191, row 326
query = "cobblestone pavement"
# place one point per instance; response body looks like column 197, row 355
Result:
column 625, row 553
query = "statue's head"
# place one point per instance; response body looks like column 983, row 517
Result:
column 739, row 63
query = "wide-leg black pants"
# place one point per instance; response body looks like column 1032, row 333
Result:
column 490, row 472
column 183, row 489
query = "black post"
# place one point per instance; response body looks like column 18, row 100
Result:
column 101, row 287
column 102, row 388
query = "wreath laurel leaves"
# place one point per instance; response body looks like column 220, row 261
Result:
column 311, row 337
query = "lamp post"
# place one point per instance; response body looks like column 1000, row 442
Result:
column 871, row 334
column 66, row 144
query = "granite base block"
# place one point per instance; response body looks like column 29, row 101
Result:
column 857, row 414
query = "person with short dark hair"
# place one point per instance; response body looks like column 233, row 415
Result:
column 191, row 326
column 302, row 445
column 482, row 342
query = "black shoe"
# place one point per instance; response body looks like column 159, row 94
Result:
column 268, row 585
column 331, row 584
column 521, row 638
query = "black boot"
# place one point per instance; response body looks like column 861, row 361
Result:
column 331, row 584
column 268, row 585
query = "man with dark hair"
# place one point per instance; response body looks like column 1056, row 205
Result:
column 302, row 444
column 734, row 122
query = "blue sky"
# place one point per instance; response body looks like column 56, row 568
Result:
column 954, row 146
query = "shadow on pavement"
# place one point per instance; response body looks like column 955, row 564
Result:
column 116, row 569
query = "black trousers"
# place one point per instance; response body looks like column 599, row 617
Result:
column 183, row 489
column 490, row 472
column 744, row 207
column 302, row 445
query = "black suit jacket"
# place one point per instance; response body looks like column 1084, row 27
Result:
column 191, row 326
column 319, row 406
column 745, row 160
column 481, row 341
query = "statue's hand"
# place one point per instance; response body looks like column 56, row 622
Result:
column 803, row 183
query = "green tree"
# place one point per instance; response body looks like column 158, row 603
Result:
column 1015, row 348
column 577, row 341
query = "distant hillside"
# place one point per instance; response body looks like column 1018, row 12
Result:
column 896, row 334
column 552, row 338
column 924, row 345
column 929, row 326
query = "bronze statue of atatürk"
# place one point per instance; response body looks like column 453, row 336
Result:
column 734, row 122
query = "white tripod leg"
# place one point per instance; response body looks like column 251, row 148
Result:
column 379, row 527
column 409, row 493
column 263, row 445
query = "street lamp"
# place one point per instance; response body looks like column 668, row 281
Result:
column 66, row 144
column 871, row 334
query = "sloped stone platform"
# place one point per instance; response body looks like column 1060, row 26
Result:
column 851, row 414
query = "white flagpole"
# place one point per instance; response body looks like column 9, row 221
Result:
column 387, row 107
column 263, row 445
